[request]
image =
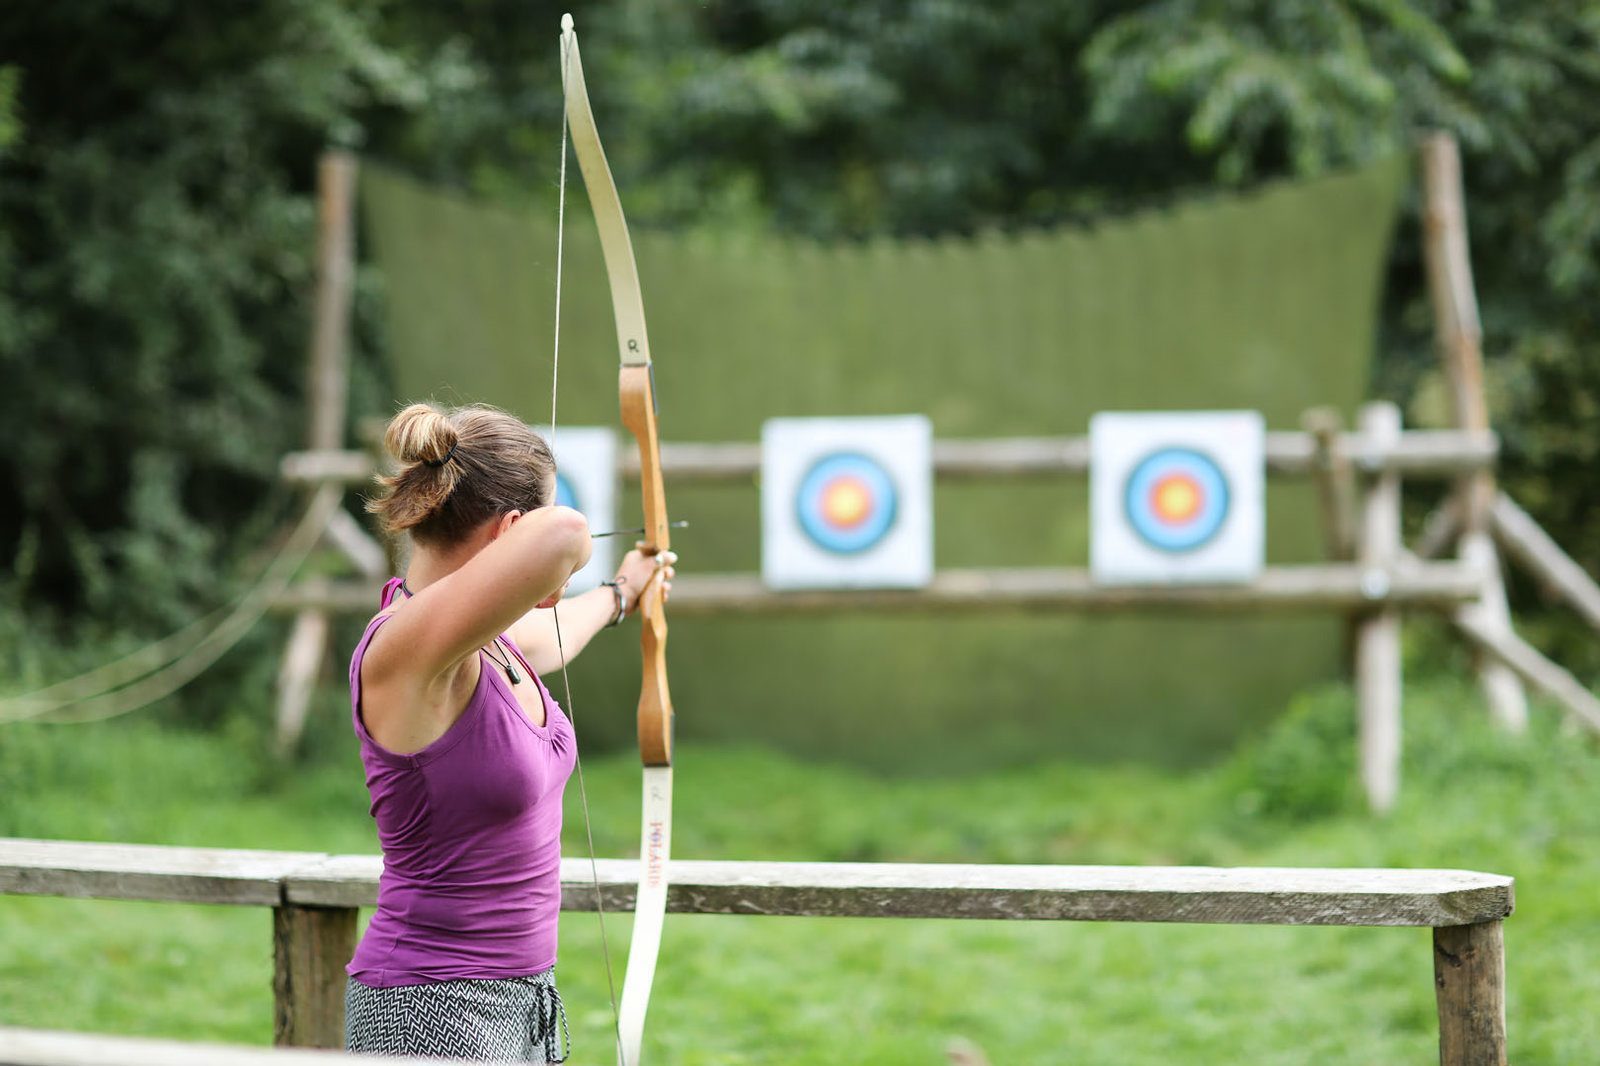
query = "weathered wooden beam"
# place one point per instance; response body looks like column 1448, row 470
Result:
column 1379, row 686
column 1528, row 663
column 346, row 534
column 1508, row 703
column 145, row 872
column 1032, row 893
column 1440, row 529
column 1251, row 896
column 1526, row 541
column 1458, row 331
column 1330, row 586
column 310, row 947
column 1335, row 479
column 1469, row 976
column 347, row 467
column 1418, row 453
column 40, row 1047
column 329, row 365
column 327, row 388
column 303, row 656
column 1458, row 334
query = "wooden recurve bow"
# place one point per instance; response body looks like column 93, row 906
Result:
column 636, row 387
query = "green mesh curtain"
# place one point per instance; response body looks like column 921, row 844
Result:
column 1264, row 301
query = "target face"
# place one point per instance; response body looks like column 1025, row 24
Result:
column 1177, row 499
column 566, row 495
column 846, row 503
column 586, row 481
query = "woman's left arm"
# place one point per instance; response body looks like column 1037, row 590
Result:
column 584, row 616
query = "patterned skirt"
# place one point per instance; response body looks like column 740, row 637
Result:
column 517, row 1019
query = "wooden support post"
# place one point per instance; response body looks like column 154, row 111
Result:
column 311, row 946
column 1378, row 667
column 1459, row 335
column 1528, row 663
column 359, row 546
column 297, row 676
column 336, row 269
column 1440, row 530
column 1336, row 483
column 326, row 392
column 1469, row 977
column 1508, row 703
column 1526, row 542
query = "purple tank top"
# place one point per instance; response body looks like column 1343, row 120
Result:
column 471, row 834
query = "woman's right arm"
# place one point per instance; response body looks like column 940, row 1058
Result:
column 527, row 564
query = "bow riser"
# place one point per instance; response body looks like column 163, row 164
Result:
column 637, row 389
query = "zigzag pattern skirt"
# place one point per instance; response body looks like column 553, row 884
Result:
column 517, row 1019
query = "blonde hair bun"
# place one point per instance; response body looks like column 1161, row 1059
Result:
column 420, row 433
column 458, row 468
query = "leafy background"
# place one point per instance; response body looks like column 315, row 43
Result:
column 156, row 159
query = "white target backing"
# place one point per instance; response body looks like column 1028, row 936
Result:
column 847, row 502
column 586, row 480
column 1177, row 497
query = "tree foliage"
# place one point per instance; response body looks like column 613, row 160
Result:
column 157, row 156
column 153, row 312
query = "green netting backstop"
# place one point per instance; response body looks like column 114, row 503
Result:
column 1264, row 301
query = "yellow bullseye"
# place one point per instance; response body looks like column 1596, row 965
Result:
column 1175, row 499
column 846, row 503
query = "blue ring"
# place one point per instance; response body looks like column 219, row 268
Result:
column 566, row 495
column 1214, row 499
column 880, row 489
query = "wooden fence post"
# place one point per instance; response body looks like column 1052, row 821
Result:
column 329, row 378
column 1459, row 335
column 1378, row 667
column 310, row 947
column 1469, row 977
column 327, row 387
column 1335, row 478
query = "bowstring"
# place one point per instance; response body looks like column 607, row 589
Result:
column 555, row 611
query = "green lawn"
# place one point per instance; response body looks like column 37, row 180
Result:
column 745, row 990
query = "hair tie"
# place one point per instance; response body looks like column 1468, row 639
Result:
column 436, row 463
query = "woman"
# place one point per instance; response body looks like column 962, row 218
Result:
column 466, row 753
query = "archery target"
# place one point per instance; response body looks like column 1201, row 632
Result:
column 566, row 495
column 1177, row 497
column 847, row 502
column 586, row 481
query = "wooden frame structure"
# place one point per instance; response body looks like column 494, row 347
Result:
column 327, row 389
column 315, row 900
column 1370, row 575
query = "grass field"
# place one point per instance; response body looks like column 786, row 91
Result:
column 732, row 990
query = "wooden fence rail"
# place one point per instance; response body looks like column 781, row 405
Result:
column 315, row 898
column 1310, row 587
column 1417, row 453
